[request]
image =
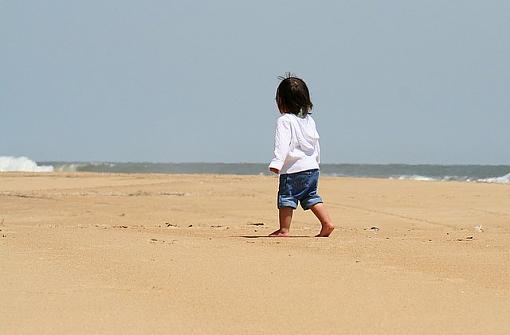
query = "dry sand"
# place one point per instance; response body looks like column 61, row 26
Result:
column 183, row 254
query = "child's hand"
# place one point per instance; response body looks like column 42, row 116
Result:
column 274, row 170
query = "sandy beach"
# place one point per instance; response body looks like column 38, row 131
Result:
column 187, row 254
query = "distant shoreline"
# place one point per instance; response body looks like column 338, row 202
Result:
column 422, row 172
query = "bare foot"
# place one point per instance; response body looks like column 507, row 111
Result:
column 326, row 230
column 279, row 233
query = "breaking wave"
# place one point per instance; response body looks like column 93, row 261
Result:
column 499, row 180
column 22, row 164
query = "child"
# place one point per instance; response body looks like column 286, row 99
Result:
column 296, row 156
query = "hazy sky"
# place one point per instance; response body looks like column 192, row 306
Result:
column 179, row 81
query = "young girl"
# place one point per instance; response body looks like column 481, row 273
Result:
column 296, row 156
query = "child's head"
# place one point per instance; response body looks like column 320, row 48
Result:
column 292, row 96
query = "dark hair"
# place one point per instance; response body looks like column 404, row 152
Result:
column 292, row 96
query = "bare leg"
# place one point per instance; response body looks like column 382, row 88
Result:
column 327, row 225
column 285, row 216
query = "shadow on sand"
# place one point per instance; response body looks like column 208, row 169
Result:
column 272, row 237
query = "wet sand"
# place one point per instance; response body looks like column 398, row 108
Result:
column 187, row 254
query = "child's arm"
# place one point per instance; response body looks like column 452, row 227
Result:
column 281, row 145
column 318, row 148
column 317, row 145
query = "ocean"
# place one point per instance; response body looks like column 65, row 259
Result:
column 424, row 172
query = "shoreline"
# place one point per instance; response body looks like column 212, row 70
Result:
column 77, row 174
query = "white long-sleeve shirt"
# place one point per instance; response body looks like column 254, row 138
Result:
column 296, row 145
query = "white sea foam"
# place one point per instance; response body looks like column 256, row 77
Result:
column 499, row 180
column 8, row 163
column 415, row 177
column 70, row 167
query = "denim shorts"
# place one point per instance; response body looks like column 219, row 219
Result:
column 299, row 186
